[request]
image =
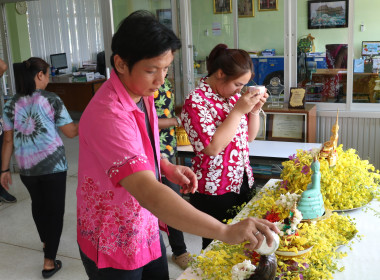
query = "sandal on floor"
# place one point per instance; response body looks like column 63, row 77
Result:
column 183, row 260
column 47, row 273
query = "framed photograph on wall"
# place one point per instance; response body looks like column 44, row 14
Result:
column 246, row 8
column 268, row 5
column 165, row 17
column 327, row 14
column 222, row 6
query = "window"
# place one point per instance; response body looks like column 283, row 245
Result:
column 73, row 27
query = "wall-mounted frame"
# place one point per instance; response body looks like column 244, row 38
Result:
column 286, row 127
column 222, row 6
column 327, row 14
column 165, row 17
column 268, row 5
column 246, row 8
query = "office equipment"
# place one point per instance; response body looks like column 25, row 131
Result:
column 371, row 48
column 58, row 61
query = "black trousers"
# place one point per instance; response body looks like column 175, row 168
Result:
column 155, row 270
column 48, row 207
column 176, row 240
column 217, row 206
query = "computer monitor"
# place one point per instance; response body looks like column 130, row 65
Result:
column 371, row 48
column 58, row 61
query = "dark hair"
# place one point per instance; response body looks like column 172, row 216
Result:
column 233, row 62
column 26, row 71
column 141, row 36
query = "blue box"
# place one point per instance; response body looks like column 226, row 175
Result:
column 270, row 67
column 320, row 60
column 359, row 65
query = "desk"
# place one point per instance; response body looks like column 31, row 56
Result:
column 75, row 95
column 363, row 83
column 361, row 263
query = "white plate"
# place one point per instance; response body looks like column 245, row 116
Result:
column 293, row 254
column 352, row 209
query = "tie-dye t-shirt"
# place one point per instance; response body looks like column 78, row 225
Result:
column 35, row 120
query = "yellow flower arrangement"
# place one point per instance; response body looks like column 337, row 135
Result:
column 350, row 184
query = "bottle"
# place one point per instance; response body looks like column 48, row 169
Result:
column 52, row 69
column 265, row 249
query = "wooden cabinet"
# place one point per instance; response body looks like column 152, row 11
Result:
column 291, row 125
column 75, row 95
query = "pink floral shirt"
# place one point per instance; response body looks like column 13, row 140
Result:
column 202, row 113
column 113, row 229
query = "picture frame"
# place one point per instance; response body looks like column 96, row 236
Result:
column 261, row 134
column 164, row 16
column 246, row 8
column 286, row 127
column 222, row 6
column 327, row 14
column 297, row 98
column 268, row 5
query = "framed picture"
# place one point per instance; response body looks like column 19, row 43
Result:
column 327, row 14
column 286, row 127
column 222, row 6
column 165, row 17
column 262, row 130
column 297, row 98
column 246, row 8
column 268, row 5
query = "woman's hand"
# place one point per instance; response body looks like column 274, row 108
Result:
column 261, row 102
column 6, row 179
column 252, row 230
column 180, row 175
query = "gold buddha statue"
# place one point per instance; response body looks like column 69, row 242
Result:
column 328, row 150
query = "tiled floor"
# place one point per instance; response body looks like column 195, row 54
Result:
column 21, row 254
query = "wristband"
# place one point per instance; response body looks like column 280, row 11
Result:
column 178, row 121
column 258, row 113
column 4, row 171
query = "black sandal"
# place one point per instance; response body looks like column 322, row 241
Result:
column 47, row 273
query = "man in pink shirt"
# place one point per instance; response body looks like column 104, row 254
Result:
column 119, row 192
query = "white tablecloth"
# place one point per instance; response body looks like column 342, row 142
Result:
column 362, row 263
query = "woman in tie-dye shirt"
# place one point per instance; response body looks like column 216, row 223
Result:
column 31, row 121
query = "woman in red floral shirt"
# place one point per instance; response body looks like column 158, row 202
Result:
column 220, row 122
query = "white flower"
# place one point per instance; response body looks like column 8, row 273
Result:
column 211, row 187
column 242, row 270
column 196, row 98
column 198, row 146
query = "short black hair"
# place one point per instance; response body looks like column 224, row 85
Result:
column 141, row 36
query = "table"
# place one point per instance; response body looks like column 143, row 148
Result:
column 364, row 259
column 363, row 83
column 75, row 95
column 264, row 152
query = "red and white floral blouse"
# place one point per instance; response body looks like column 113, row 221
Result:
column 203, row 111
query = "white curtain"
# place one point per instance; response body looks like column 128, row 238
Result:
column 73, row 27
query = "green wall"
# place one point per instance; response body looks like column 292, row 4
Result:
column 18, row 34
column 366, row 12
column 122, row 8
column 264, row 30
